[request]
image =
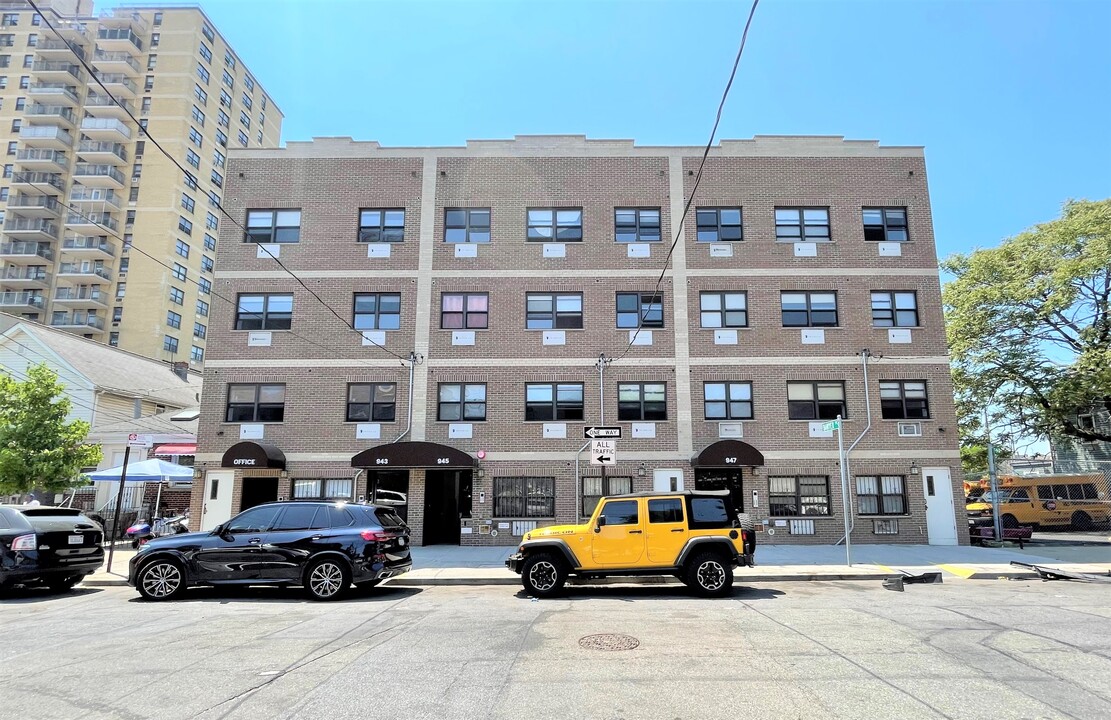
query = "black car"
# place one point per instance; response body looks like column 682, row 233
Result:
column 51, row 546
column 323, row 546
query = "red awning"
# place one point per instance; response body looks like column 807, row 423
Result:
column 175, row 450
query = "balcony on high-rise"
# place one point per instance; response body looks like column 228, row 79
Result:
column 57, row 71
column 92, row 222
column 89, row 198
column 120, row 38
column 102, row 152
column 98, row 176
column 88, row 245
column 116, row 62
column 51, row 115
column 77, row 320
column 21, row 300
column 118, row 84
column 31, row 159
column 86, row 270
column 30, row 229
column 25, row 253
column 34, row 206
column 46, row 136
column 105, row 130
column 81, row 296
column 102, row 106
column 30, row 276
column 53, row 48
column 54, row 93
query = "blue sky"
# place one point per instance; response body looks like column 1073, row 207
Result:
column 1010, row 97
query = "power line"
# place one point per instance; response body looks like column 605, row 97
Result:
column 694, row 189
column 193, row 181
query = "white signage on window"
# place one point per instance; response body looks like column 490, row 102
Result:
column 806, row 249
column 644, row 430
column 460, row 430
column 268, row 250
column 725, row 337
column 731, row 430
column 555, row 431
column 555, row 337
column 368, row 431
column 644, row 337
column 721, row 250
column 814, row 336
column 817, row 430
column 554, row 250
column 259, row 338
column 890, row 249
column 639, row 250
column 465, row 250
column 462, row 337
column 898, row 336
column 374, row 337
column 378, row 250
column 251, row 432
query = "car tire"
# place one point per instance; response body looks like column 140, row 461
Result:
column 161, row 579
column 710, row 574
column 1081, row 520
column 543, row 575
column 327, row 578
column 61, row 585
column 1009, row 521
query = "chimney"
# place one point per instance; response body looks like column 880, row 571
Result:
column 181, row 369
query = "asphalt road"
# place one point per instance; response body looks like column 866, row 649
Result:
column 965, row 649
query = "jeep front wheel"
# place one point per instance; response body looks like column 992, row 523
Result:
column 543, row 575
column 710, row 575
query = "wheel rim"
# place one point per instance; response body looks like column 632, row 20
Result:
column 326, row 579
column 542, row 575
column 161, row 580
column 711, row 575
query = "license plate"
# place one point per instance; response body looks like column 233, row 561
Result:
column 76, row 539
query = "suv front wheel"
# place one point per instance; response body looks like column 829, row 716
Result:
column 543, row 575
column 710, row 575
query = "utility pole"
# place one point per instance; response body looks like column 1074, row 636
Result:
column 603, row 361
column 993, row 477
column 119, row 504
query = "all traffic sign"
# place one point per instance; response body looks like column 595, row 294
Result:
column 601, row 431
column 603, row 452
column 832, row 425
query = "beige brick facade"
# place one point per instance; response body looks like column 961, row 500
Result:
column 330, row 180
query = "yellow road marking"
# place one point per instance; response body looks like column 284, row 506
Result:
column 957, row 570
column 893, row 571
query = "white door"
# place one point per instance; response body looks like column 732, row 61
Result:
column 217, row 498
column 667, row 481
column 941, row 521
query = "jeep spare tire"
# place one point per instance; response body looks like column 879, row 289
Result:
column 543, row 574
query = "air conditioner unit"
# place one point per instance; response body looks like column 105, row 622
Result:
column 910, row 429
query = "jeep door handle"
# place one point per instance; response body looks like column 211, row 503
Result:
column 255, row 541
column 635, row 532
column 678, row 530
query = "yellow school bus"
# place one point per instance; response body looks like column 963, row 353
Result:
column 1079, row 502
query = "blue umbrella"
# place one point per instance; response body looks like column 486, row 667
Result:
column 145, row 471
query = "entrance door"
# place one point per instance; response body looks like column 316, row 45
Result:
column 217, row 498
column 941, row 522
column 257, row 491
column 721, row 479
column 447, row 499
column 667, row 480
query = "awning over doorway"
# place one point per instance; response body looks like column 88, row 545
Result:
column 413, row 455
column 253, row 455
column 728, row 453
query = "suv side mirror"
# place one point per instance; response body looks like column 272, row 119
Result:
column 218, row 530
column 601, row 523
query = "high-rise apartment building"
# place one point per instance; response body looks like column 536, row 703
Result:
column 804, row 287
column 103, row 235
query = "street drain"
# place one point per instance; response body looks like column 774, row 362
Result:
column 609, row 642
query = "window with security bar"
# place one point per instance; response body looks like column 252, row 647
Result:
column 794, row 495
column 596, row 487
column 524, row 497
column 881, row 495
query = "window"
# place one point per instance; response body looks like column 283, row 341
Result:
column 724, row 309
column 640, row 310
column 202, row 308
column 196, row 354
column 190, row 180
column 28, row 62
column 245, row 120
column 228, row 79
column 258, row 137
column 885, row 224
column 16, row 125
column 546, row 311
column 205, row 52
column 202, row 73
column 195, row 136
column 822, row 400
column 21, row 103
column 249, row 82
column 799, row 495
column 207, row 32
column 152, row 62
column 10, row 19
column 128, row 240
column 173, row 319
column 370, row 402
column 187, row 202
column 242, row 137
column 524, row 497
column 904, row 400
column 8, row 170
column 177, row 297
column 133, row 195
column 206, row 263
column 184, row 225
column 272, row 311
column 7, row 40
column 213, row 199
column 199, row 330
column 377, row 311
column 113, row 339
column 553, row 401
column 24, row 82
column 218, row 158
column 802, row 224
column 255, row 403
column 636, row 224
column 179, row 272
column 894, row 309
column 204, row 286
column 273, row 226
column 719, row 224
column 247, row 102
column 136, row 170
column 169, row 344
column 157, row 22
column 198, row 116
column 155, row 39
column 382, row 225
column 209, row 242
column 462, row 225
column 121, row 291
column 117, row 314
column 229, row 61
column 594, row 488
column 304, row 517
column 33, row 40
column 148, row 84
column 12, row 147
column 464, row 311
column 221, row 138
column 212, row 222
column 457, row 401
column 642, row 401
column 881, row 495
column 217, row 179
column 728, row 401
column 809, row 309
column 225, row 99
column 621, row 512
column 555, row 225
column 665, row 510
column 200, row 94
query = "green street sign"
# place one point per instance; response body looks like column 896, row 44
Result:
column 832, row 425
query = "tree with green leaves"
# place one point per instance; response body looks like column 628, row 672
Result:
column 39, row 448
column 1029, row 327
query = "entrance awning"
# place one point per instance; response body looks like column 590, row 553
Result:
column 728, row 453
column 413, row 455
column 253, row 455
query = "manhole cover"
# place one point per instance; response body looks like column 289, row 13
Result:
column 609, row 642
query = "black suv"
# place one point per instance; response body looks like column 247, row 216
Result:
column 322, row 546
column 51, row 546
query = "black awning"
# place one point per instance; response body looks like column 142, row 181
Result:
column 253, row 455
column 728, row 453
column 413, row 455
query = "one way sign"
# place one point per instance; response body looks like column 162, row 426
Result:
column 603, row 452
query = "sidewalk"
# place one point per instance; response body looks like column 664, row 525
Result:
column 451, row 565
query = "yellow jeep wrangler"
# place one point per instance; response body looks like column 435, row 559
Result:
column 695, row 536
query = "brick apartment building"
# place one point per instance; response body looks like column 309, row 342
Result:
column 806, row 265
